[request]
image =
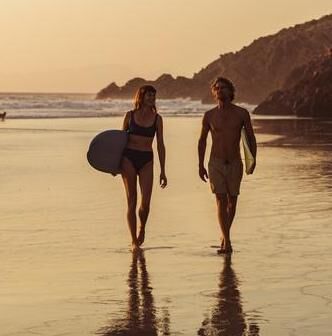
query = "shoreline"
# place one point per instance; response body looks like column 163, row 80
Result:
column 170, row 115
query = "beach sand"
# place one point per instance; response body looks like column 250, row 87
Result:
column 64, row 243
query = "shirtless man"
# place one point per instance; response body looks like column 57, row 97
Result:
column 225, row 122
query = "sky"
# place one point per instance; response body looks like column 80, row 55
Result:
column 83, row 45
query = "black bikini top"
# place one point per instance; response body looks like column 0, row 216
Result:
column 136, row 129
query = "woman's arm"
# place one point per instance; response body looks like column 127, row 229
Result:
column 161, row 151
column 126, row 120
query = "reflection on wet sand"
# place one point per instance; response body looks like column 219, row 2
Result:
column 142, row 318
column 309, row 138
column 227, row 317
column 296, row 132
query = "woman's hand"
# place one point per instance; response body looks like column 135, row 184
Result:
column 163, row 180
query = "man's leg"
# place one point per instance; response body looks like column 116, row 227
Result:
column 232, row 202
column 223, row 218
column 231, row 210
column 233, row 188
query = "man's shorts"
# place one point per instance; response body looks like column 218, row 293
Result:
column 225, row 178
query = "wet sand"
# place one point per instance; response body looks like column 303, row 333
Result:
column 64, row 243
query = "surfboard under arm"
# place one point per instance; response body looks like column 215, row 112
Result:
column 106, row 149
column 248, row 156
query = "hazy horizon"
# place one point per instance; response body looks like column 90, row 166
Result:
column 75, row 47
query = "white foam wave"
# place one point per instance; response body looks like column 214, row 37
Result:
column 84, row 105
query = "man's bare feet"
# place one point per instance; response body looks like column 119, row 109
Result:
column 222, row 242
column 141, row 236
column 225, row 250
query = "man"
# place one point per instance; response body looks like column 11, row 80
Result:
column 225, row 122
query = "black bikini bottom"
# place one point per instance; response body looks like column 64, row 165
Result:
column 138, row 158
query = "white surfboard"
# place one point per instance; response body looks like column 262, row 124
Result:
column 249, row 159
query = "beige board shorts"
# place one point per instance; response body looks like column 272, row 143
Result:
column 225, row 178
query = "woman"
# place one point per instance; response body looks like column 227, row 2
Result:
column 142, row 124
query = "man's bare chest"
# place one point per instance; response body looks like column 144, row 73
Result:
column 222, row 124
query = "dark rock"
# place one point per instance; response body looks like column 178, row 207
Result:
column 110, row 90
column 307, row 92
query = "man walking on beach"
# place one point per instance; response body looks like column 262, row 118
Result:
column 225, row 167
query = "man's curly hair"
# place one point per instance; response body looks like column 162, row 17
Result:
column 227, row 82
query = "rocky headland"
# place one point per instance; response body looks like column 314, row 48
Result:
column 307, row 92
column 267, row 65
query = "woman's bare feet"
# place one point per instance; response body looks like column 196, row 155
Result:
column 141, row 236
column 135, row 247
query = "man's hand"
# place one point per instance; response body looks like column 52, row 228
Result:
column 203, row 174
column 163, row 180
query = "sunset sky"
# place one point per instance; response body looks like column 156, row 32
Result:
column 83, row 45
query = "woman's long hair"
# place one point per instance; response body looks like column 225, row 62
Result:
column 139, row 96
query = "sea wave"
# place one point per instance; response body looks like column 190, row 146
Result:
column 29, row 105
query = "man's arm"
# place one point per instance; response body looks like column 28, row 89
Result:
column 202, row 147
column 251, row 137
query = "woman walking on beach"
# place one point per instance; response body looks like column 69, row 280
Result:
column 142, row 124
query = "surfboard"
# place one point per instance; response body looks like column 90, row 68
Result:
column 105, row 151
column 249, row 159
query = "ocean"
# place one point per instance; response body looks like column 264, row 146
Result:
column 64, row 105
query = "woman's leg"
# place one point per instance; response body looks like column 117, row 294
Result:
column 146, row 183
column 130, row 180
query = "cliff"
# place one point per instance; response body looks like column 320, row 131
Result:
column 256, row 70
column 307, row 92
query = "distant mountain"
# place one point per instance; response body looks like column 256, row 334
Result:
column 166, row 85
column 307, row 92
column 256, row 70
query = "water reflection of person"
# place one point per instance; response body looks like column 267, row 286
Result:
column 227, row 317
column 141, row 319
